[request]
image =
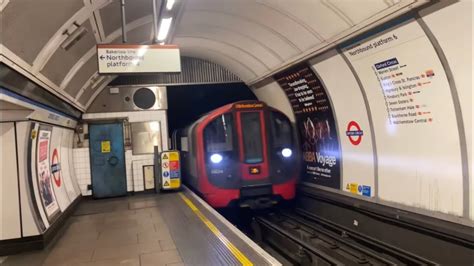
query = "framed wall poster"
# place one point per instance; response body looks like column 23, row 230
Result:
column 44, row 176
column 316, row 125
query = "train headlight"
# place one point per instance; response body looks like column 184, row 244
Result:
column 286, row 152
column 216, row 158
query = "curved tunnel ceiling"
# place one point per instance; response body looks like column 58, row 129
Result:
column 251, row 38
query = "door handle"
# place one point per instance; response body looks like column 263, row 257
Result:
column 113, row 160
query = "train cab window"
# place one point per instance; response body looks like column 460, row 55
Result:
column 252, row 137
column 281, row 131
column 218, row 135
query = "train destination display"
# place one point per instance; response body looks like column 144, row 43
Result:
column 413, row 113
column 315, row 120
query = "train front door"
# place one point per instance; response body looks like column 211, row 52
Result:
column 107, row 160
column 253, row 146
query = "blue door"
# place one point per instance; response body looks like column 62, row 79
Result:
column 107, row 158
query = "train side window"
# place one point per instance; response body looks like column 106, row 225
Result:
column 218, row 134
column 184, row 144
column 252, row 137
column 281, row 131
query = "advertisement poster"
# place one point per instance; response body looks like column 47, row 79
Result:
column 316, row 125
column 44, row 175
column 413, row 115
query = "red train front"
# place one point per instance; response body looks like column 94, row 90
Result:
column 240, row 154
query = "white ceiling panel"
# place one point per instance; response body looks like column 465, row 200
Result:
column 360, row 10
column 252, row 38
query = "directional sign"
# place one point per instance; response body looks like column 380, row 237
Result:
column 131, row 58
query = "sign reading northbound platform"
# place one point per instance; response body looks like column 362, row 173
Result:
column 131, row 58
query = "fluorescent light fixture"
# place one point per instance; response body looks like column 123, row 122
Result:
column 164, row 28
column 73, row 38
column 170, row 4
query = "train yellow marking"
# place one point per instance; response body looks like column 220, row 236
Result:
column 233, row 249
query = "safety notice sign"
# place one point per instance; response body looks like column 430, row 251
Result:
column 131, row 58
column 170, row 170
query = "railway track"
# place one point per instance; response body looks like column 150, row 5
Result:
column 304, row 239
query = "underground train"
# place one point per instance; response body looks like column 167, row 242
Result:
column 241, row 154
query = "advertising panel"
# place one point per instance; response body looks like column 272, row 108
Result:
column 44, row 176
column 414, row 118
column 316, row 124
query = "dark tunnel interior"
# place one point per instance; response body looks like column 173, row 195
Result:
column 186, row 103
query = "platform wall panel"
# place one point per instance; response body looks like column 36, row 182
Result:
column 457, row 48
column 9, row 197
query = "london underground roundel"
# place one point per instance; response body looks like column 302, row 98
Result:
column 56, row 168
column 354, row 133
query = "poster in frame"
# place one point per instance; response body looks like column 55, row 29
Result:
column 44, row 175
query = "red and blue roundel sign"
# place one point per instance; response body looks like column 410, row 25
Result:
column 56, row 168
column 354, row 133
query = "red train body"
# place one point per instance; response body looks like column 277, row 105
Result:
column 240, row 154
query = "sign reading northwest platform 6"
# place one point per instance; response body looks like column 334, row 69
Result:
column 170, row 170
column 131, row 58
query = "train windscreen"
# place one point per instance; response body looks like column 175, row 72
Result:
column 281, row 131
column 218, row 136
column 252, row 137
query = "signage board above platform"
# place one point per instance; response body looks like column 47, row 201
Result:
column 132, row 58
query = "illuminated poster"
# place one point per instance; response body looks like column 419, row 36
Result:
column 316, row 124
column 44, row 176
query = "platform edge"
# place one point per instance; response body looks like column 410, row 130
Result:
column 269, row 258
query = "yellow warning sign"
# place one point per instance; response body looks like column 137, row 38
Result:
column 166, row 184
column 174, row 156
column 175, row 183
column 354, row 188
column 165, row 156
column 33, row 134
column 105, row 146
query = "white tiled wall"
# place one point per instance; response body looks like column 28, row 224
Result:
column 82, row 169
column 133, row 167
column 137, row 167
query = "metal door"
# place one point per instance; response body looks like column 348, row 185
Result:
column 107, row 158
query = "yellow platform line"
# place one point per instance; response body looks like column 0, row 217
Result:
column 233, row 249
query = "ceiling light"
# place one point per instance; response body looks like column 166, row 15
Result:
column 170, row 4
column 73, row 38
column 164, row 28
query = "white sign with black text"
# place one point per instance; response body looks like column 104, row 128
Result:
column 131, row 58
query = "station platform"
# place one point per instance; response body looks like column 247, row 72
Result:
column 175, row 228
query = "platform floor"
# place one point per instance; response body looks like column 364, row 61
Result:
column 147, row 229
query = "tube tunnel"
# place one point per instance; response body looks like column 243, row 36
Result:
column 350, row 122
